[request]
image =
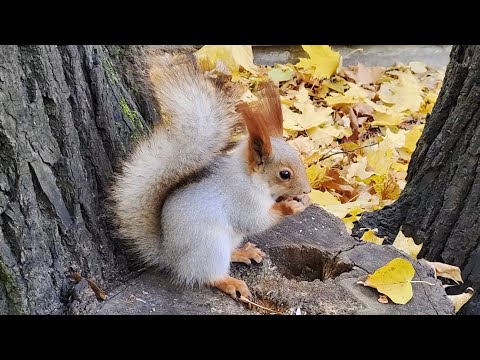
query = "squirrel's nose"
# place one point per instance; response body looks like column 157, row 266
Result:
column 309, row 190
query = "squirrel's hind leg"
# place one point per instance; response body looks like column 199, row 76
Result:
column 246, row 253
column 231, row 286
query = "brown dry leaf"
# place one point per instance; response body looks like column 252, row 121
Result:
column 99, row 293
column 365, row 75
column 76, row 276
column 383, row 299
column 461, row 299
column 446, row 271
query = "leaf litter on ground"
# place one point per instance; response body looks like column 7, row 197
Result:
column 354, row 127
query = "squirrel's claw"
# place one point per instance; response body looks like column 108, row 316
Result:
column 231, row 286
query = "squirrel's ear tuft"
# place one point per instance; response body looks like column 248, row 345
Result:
column 263, row 119
column 259, row 145
column 268, row 105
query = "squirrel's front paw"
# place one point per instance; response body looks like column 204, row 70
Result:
column 296, row 204
column 304, row 199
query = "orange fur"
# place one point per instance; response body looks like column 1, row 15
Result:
column 230, row 285
column 247, row 252
column 282, row 209
column 263, row 119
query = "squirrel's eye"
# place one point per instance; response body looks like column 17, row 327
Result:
column 285, row 174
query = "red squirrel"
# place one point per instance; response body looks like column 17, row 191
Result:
column 181, row 203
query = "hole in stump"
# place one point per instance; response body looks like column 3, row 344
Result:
column 307, row 263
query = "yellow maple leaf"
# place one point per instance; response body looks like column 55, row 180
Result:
column 388, row 188
column 397, row 140
column 337, row 84
column 323, row 198
column 233, row 56
column 342, row 210
column 358, row 169
column 312, row 116
column 303, row 145
column 325, row 135
column 302, row 96
column 407, row 245
column 349, row 222
column 290, row 119
column 323, row 60
column 411, row 138
column 354, row 95
column 278, row 75
column 404, row 93
column 387, row 119
column 370, row 236
column 393, row 280
column 381, row 158
column 315, row 172
column 428, row 102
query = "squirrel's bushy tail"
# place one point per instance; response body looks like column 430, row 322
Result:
column 197, row 122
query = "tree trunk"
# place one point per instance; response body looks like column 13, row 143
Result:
column 65, row 114
column 440, row 205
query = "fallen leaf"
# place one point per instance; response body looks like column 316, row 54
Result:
column 380, row 158
column 404, row 93
column 303, row 145
column 279, row 75
column 370, row 236
column 313, row 116
column 354, row 95
column 393, row 280
column 388, row 119
column 363, row 109
column 365, row 75
column 411, row 138
column 358, row 169
column 77, row 277
column 323, row 198
column 382, row 299
column 98, row 292
column 323, row 60
column 417, row 67
column 446, row 271
column 461, row 299
column 322, row 136
column 396, row 140
column 407, row 245
column 233, row 56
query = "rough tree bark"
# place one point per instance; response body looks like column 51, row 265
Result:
column 65, row 114
column 440, row 205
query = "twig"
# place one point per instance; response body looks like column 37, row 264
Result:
column 346, row 151
column 422, row 282
column 244, row 299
